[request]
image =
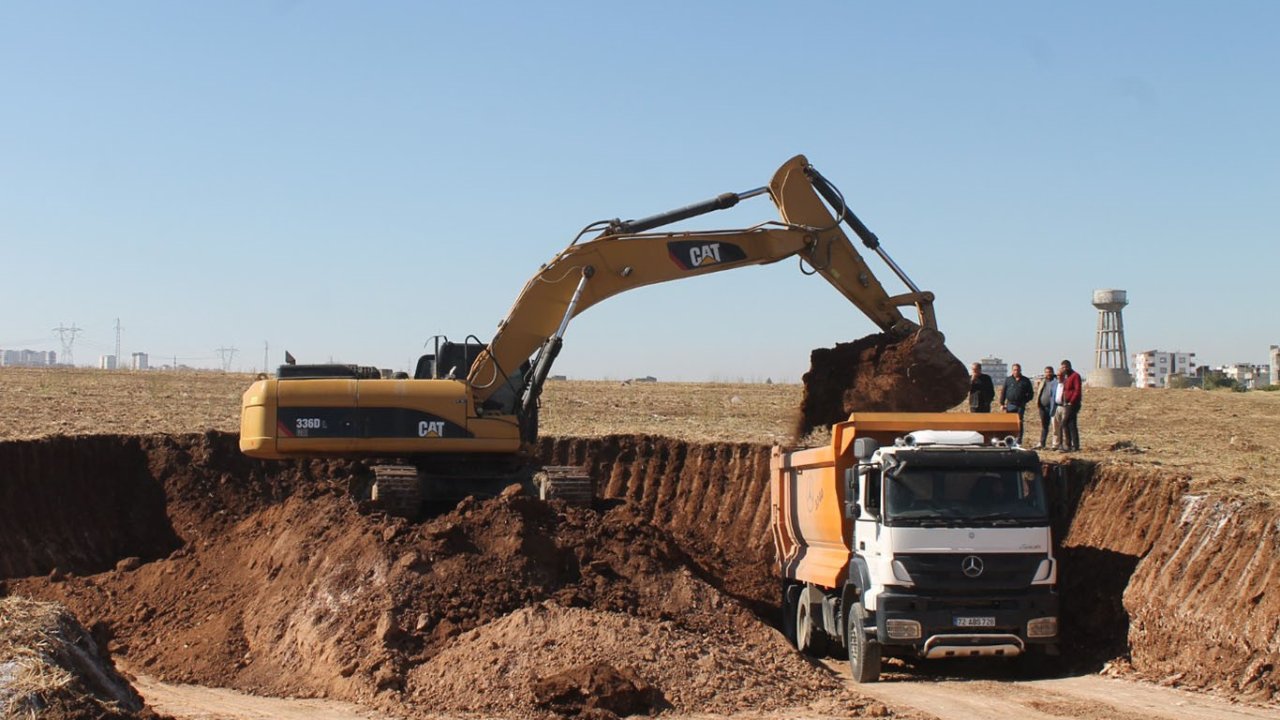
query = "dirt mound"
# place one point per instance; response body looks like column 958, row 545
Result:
column 878, row 374
column 50, row 667
column 596, row 689
column 276, row 583
column 280, row 586
column 500, row 667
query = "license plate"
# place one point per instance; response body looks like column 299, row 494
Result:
column 975, row 622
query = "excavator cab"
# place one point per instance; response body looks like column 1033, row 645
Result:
column 449, row 359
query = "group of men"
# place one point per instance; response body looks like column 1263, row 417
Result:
column 1057, row 396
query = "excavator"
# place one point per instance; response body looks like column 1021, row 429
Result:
column 466, row 422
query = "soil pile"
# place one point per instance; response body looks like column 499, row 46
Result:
column 510, row 663
column 879, row 374
column 50, row 667
column 280, row 586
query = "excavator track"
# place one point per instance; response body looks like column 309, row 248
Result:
column 569, row 483
column 396, row 490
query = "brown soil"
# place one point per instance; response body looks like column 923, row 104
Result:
column 878, row 374
column 264, row 577
column 1179, row 588
column 279, row 585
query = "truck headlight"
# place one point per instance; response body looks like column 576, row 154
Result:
column 902, row 629
column 1042, row 627
column 900, row 572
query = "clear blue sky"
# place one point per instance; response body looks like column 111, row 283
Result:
column 347, row 179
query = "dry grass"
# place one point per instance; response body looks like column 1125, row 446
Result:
column 36, row 402
column 29, row 633
column 1223, row 440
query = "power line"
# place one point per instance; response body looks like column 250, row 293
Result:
column 226, row 354
column 119, row 361
column 67, row 336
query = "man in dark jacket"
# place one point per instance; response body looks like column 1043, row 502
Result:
column 981, row 390
column 1016, row 394
column 1072, row 396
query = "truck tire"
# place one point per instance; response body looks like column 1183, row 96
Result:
column 864, row 653
column 790, row 597
column 810, row 638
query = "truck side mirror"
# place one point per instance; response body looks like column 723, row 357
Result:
column 864, row 448
column 852, row 509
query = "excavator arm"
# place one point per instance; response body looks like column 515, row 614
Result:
column 624, row 256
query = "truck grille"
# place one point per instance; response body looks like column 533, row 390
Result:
column 990, row 571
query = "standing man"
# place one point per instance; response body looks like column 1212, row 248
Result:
column 1046, row 387
column 1072, row 395
column 981, row 390
column 1015, row 394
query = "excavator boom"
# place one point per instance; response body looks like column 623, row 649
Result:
column 624, row 257
column 489, row 418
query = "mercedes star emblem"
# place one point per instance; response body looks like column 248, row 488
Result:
column 971, row 566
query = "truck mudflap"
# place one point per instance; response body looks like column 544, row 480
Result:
column 936, row 626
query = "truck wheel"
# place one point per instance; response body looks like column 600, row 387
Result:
column 864, row 653
column 790, row 597
column 810, row 639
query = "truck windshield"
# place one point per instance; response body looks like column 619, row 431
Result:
column 935, row 496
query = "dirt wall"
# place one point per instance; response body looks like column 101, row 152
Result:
column 275, row 582
column 1181, row 587
column 712, row 497
column 79, row 505
column 264, row 577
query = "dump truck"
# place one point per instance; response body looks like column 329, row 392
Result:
column 918, row 535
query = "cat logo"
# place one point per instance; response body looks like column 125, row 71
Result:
column 690, row 254
column 708, row 254
column 431, row 428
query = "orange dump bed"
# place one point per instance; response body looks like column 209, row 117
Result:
column 808, row 491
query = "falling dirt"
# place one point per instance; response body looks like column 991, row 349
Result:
column 878, row 374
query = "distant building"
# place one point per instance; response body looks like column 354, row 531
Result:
column 1249, row 377
column 996, row 368
column 1151, row 369
column 1275, row 365
column 139, row 361
column 28, row 358
column 106, row 362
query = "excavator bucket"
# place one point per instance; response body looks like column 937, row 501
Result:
column 879, row 373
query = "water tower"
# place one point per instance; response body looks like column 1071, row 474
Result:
column 1111, row 361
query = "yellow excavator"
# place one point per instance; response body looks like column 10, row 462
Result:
column 466, row 421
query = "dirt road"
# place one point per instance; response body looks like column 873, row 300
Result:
column 1087, row 696
column 193, row 702
column 1084, row 696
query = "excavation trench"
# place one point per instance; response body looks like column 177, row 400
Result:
column 264, row 577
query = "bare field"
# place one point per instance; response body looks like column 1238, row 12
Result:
column 1223, row 440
